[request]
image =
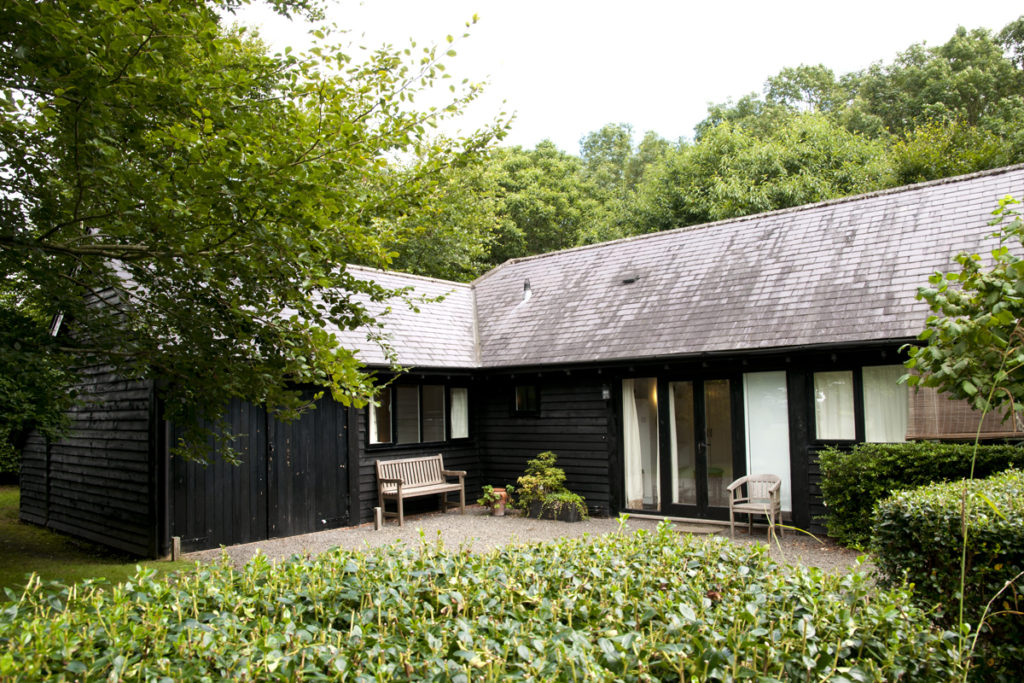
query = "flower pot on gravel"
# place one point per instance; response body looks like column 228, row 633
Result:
column 557, row 509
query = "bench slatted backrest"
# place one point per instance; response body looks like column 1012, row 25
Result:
column 412, row 471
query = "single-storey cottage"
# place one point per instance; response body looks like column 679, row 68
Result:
column 659, row 368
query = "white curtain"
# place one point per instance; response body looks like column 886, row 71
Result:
column 885, row 404
column 631, row 447
column 460, row 412
column 833, row 406
column 766, row 411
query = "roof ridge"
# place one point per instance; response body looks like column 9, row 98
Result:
column 764, row 214
column 399, row 273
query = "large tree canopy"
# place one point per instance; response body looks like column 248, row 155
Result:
column 208, row 193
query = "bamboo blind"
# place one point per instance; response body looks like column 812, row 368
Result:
column 936, row 416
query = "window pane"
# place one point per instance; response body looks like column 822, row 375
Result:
column 460, row 412
column 526, row 398
column 640, row 434
column 433, row 412
column 683, row 432
column 766, row 409
column 885, row 404
column 380, row 418
column 407, row 408
column 718, row 436
column 833, row 406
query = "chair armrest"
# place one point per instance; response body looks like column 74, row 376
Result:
column 736, row 484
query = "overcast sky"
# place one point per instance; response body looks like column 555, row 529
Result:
column 567, row 67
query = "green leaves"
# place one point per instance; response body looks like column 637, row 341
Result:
column 975, row 341
column 210, row 192
column 854, row 481
column 918, row 535
column 622, row 606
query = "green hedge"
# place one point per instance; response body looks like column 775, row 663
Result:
column 644, row 606
column 918, row 535
column 852, row 482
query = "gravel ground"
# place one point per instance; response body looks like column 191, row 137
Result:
column 478, row 531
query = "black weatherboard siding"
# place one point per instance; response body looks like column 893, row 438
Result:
column 573, row 420
column 97, row 483
column 293, row 478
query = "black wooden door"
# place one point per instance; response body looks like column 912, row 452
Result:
column 291, row 479
column 308, row 472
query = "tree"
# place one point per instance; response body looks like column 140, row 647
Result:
column 967, row 78
column 207, row 193
column 732, row 171
column 544, row 201
column 450, row 237
column 974, row 343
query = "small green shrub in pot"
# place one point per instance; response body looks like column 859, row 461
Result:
column 541, row 491
column 853, row 481
column 918, row 537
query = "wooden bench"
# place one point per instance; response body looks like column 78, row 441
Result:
column 412, row 477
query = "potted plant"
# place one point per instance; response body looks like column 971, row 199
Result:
column 542, row 492
column 494, row 498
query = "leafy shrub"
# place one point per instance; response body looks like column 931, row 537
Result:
column 918, row 534
column 9, row 460
column 542, row 487
column 853, row 481
column 644, row 606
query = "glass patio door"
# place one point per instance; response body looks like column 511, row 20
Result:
column 700, row 453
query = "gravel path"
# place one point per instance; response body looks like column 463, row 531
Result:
column 478, row 531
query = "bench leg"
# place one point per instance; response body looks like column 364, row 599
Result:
column 462, row 500
column 401, row 512
column 444, row 501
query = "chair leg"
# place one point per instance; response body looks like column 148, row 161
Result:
column 750, row 524
column 732, row 523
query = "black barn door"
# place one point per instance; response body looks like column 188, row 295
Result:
column 308, row 472
column 292, row 479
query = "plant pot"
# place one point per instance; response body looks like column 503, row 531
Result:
column 561, row 513
column 498, row 509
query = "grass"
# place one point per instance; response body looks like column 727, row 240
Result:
column 25, row 548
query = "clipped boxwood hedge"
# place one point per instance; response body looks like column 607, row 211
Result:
column 852, row 482
column 643, row 606
column 918, row 534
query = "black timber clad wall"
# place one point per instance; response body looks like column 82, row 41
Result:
column 461, row 455
column 292, row 478
column 221, row 503
column 96, row 483
column 573, row 421
column 33, row 480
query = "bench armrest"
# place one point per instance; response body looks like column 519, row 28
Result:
column 454, row 473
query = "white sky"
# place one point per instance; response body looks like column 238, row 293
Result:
column 568, row 67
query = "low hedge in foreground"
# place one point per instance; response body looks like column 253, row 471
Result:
column 853, row 481
column 644, row 606
column 918, row 536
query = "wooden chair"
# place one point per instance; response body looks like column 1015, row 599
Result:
column 756, row 494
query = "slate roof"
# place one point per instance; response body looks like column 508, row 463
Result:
column 838, row 272
column 441, row 335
